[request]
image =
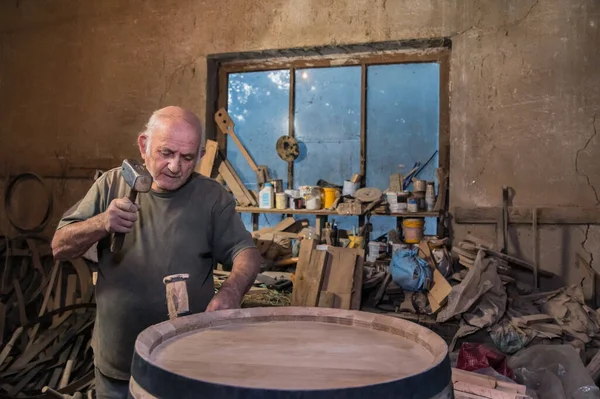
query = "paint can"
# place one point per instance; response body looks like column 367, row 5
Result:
column 374, row 251
column 350, row 188
column 329, row 197
column 413, row 230
column 280, row 200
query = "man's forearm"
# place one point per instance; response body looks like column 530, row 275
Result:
column 246, row 266
column 74, row 240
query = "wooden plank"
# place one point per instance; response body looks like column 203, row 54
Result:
column 35, row 349
column 304, row 255
column 25, row 380
column 307, row 284
column 356, row 299
column 466, row 254
column 327, row 299
column 208, row 160
column 239, row 192
column 479, row 242
column 442, row 178
column 70, row 363
column 339, row 275
column 516, row 261
column 248, row 209
column 524, row 215
column 286, row 262
column 69, row 297
column 58, row 296
column 8, row 347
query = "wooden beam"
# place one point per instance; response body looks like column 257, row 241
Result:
column 524, row 215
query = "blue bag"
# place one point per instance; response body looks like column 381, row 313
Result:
column 409, row 271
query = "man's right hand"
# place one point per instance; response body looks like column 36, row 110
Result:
column 121, row 216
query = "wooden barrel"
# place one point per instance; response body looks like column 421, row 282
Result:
column 290, row 352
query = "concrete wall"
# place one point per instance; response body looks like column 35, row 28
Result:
column 79, row 78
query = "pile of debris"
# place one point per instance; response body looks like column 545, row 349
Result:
column 46, row 320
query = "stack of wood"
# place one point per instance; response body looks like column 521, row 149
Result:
column 328, row 276
column 466, row 253
column 46, row 321
column 468, row 385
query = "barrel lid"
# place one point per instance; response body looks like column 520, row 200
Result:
column 289, row 349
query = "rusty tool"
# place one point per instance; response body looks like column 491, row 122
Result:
column 177, row 296
column 139, row 180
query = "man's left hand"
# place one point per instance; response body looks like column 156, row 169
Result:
column 223, row 300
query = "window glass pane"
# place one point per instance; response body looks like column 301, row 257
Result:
column 402, row 126
column 258, row 103
column 327, row 124
column 327, row 127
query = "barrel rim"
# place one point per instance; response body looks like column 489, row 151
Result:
column 153, row 336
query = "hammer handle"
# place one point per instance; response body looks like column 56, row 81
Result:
column 117, row 242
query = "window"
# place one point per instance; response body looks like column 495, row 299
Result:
column 369, row 114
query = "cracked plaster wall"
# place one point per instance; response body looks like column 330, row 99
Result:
column 79, row 78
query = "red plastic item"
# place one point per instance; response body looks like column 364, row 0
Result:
column 473, row 357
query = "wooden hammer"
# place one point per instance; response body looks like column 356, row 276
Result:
column 177, row 296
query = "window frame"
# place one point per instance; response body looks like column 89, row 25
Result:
column 441, row 55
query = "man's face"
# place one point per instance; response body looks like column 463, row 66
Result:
column 172, row 155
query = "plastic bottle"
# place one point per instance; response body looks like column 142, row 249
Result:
column 266, row 197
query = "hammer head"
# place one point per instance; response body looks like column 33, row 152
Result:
column 136, row 175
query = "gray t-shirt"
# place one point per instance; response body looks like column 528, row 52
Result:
column 186, row 231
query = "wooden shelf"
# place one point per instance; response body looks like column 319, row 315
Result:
column 324, row 212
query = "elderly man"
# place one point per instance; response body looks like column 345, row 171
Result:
column 185, row 224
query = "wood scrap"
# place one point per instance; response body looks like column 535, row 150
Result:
column 472, row 385
column 308, row 282
column 440, row 288
column 326, row 299
column 339, row 275
column 207, row 162
column 240, row 192
column 286, row 261
column 304, row 255
column 44, row 314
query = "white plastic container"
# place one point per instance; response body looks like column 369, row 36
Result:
column 266, row 197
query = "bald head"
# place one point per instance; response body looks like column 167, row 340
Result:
column 171, row 115
column 171, row 147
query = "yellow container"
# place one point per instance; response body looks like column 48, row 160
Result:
column 413, row 230
column 355, row 242
column 329, row 197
